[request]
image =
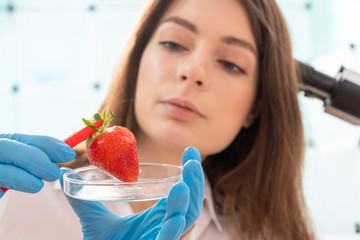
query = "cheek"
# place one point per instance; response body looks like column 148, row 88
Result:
column 148, row 76
column 155, row 62
column 151, row 85
column 230, row 112
column 146, row 68
column 143, row 85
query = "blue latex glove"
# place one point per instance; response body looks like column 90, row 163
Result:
column 168, row 219
column 27, row 160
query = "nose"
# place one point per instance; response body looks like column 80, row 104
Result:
column 184, row 78
column 193, row 71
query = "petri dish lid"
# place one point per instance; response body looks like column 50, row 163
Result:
column 92, row 184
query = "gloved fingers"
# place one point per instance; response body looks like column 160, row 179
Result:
column 172, row 228
column 12, row 177
column 177, row 202
column 83, row 209
column 28, row 158
column 97, row 222
column 177, row 205
column 193, row 176
column 190, row 153
column 57, row 150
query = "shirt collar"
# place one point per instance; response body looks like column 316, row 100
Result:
column 209, row 204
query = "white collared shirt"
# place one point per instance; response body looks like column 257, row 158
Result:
column 209, row 225
column 48, row 215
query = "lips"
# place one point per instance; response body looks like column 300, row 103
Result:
column 181, row 109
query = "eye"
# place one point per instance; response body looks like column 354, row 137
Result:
column 172, row 45
column 231, row 67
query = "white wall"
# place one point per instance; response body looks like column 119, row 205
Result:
column 326, row 34
column 60, row 56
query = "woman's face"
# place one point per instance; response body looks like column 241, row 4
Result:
column 197, row 77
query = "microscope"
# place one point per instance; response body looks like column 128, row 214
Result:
column 340, row 95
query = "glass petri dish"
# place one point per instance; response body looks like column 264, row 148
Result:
column 92, row 184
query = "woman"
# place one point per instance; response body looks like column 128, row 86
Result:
column 220, row 76
column 217, row 75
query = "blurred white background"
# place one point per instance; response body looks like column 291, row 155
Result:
column 57, row 58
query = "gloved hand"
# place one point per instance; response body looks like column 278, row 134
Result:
column 26, row 160
column 168, row 219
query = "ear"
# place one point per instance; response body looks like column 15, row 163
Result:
column 253, row 114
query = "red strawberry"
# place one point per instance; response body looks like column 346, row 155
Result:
column 113, row 150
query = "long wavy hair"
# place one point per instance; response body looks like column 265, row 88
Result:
column 257, row 180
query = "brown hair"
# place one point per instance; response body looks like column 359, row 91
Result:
column 258, row 178
column 256, row 181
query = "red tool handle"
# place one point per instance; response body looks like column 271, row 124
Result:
column 3, row 189
column 75, row 138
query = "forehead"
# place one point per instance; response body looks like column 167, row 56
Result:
column 222, row 17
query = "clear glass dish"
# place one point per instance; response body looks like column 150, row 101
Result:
column 92, row 184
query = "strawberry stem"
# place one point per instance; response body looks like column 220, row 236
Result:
column 103, row 114
column 90, row 124
column 97, row 117
column 89, row 141
column 101, row 129
column 109, row 118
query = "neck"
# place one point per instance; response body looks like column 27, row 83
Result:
column 155, row 152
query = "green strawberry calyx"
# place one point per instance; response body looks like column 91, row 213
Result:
column 99, row 130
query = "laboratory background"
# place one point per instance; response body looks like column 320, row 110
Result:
column 57, row 58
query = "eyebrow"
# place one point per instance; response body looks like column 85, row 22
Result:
column 182, row 22
column 228, row 40
column 239, row 42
